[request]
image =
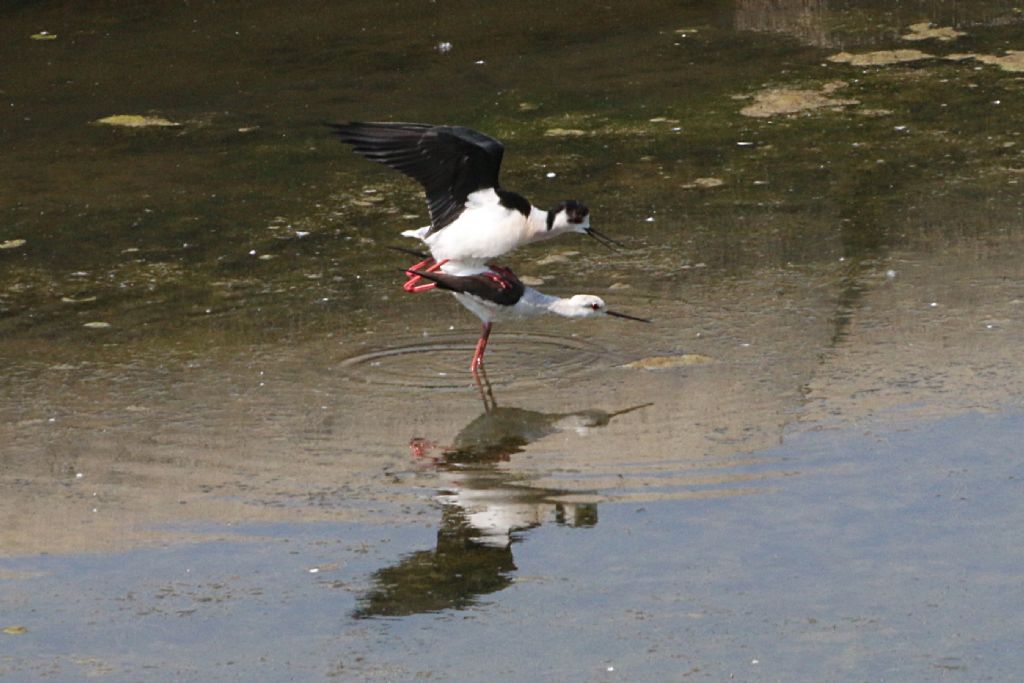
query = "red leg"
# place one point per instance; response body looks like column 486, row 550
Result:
column 410, row 284
column 481, row 346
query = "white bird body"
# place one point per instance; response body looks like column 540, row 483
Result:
column 472, row 219
column 531, row 304
column 484, row 230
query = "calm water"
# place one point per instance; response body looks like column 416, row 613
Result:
column 231, row 447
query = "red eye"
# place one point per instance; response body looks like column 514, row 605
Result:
column 596, row 307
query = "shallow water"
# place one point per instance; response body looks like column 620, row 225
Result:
column 815, row 477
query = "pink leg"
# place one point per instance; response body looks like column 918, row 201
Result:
column 410, row 284
column 481, row 346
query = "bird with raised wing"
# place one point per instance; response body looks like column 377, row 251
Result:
column 472, row 218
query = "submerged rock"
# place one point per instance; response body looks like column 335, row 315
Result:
column 776, row 101
column 663, row 362
column 136, row 121
column 564, row 133
column 561, row 257
column 1012, row 61
column 703, row 183
column 880, row 57
column 925, row 31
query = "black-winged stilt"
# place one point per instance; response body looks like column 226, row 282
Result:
column 472, row 219
column 495, row 294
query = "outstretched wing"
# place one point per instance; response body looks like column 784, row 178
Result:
column 450, row 162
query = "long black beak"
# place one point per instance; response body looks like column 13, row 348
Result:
column 616, row 314
column 605, row 239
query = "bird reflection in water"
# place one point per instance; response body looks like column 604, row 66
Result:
column 484, row 510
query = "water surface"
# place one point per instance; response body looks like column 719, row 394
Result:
column 213, row 384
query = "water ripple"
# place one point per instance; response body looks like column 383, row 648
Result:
column 443, row 362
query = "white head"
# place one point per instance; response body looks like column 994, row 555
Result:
column 584, row 306
column 587, row 306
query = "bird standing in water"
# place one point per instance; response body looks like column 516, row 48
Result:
column 495, row 294
column 472, row 218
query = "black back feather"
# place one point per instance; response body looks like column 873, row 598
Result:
column 499, row 285
column 451, row 162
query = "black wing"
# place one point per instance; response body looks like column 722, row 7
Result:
column 500, row 285
column 449, row 161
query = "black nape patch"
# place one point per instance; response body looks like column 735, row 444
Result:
column 574, row 212
column 516, row 202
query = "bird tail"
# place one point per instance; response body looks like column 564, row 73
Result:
column 418, row 233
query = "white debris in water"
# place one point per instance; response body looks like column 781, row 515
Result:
column 649, row 219
column 444, row 47
column 934, row 304
column 890, row 273
column 550, row 174
column 78, row 475
column 314, row 570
